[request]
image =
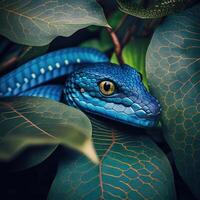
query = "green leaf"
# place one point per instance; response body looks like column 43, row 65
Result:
column 32, row 121
column 173, row 74
column 131, row 167
column 93, row 28
column 29, row 156
column 115, row 19
column 37, row 23
column 134, row 55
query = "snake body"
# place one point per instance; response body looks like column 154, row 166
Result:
column 129, row 103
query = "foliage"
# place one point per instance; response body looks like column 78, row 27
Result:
column 173, row 72
column 128, row 169
column 37, row 23
column 131, row 165
column 31, row 121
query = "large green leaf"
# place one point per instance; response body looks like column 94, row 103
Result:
column 134, row 54
column 173, row 69
column 38, row 22
column 33, row 121
column 131, row 167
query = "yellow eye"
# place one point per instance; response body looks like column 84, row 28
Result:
column 107, row 87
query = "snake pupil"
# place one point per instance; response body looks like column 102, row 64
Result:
column 106, row 86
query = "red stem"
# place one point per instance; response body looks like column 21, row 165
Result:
column 117, row 45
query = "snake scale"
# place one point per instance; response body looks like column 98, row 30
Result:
column 95, row 85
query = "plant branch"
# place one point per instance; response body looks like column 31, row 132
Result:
column 117, row 45
column 8, row 63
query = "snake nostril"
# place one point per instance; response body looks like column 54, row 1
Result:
column 155, row 109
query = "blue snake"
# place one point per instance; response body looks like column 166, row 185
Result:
column 94, row 85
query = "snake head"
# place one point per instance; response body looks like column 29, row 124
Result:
column 114, row 92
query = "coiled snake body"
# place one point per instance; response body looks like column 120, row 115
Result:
column 95, row 85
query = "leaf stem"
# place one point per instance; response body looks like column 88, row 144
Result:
column 117, row 45
column 11, row 61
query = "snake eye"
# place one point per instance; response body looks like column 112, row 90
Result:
column 107, row 87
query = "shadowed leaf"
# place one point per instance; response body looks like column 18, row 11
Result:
column 37, row 23
column 173, row 69
column 156, row 9
column 31, row 121
column 131, row 167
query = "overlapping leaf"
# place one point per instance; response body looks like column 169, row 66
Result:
column 31, row 121
column 173, row 60
column 38, row 22
column 131, row 167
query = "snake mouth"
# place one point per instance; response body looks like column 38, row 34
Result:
column 141, row 118
column 138, row 121
column 134, row 120
column 121, row 117
column 133, row 115
column 141, row 114
column 148, row 122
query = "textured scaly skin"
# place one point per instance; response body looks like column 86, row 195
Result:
column 46, row 68
column 173, row 69
column 131, row 103
column 160, row 8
